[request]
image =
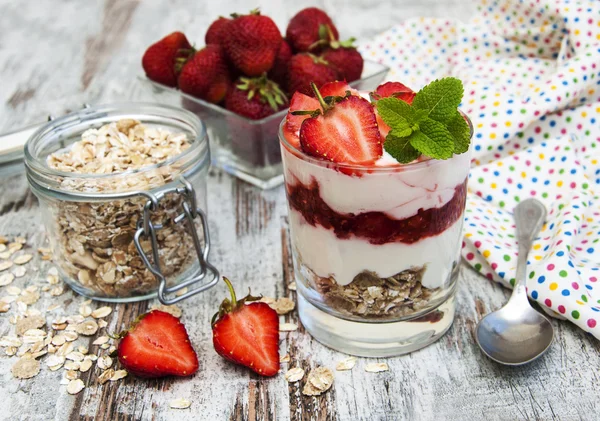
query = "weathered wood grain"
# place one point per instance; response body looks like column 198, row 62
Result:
column 56, row 55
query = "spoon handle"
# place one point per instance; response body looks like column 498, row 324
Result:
column 530, row 215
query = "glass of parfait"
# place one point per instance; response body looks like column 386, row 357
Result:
column 376, row 244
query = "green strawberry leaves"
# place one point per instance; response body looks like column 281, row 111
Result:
column 431, row 125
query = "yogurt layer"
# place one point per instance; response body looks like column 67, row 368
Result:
column 328, row 256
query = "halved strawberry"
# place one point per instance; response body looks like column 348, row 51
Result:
column 396, row 89
column 337, row 88
column 299, row 102
column 157, row 345
column 388, row 89
column 345, row 132
column 247, row 334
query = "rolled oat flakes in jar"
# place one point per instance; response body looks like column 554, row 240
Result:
column 122, row 190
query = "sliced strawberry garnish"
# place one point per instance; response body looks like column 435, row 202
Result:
column 346, row 132
column 247, row 334
column 337, row 88
column 396, row 89
column 384, row 129
column 157, row 345
column 299, row 102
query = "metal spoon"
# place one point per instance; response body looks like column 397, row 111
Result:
column 517, row 334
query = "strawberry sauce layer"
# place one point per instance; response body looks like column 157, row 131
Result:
column 376, row 227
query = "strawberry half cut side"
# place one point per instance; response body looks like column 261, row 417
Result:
column 344, row 132
column 157, row 345
column 247, row 334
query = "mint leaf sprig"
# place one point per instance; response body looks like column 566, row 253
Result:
column 431, row 125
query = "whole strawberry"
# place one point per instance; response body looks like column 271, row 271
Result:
column 205, row 75
column 216, row 31
column 346, row 60
column 279, row 71
column 157, row 345
column 252, row 42
column 307, row 27
column 255, row 98
column 159, row 59
column 305, row 68
column 247, row 334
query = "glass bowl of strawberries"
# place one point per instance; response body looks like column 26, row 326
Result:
column 241, row 83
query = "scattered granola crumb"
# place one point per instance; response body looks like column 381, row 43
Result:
column 285, row 359
column 75, row 386
column 346, row 364
column 376, row 367
column 267, row 300
column 25, row 368
column 287, row 327
column 27, row 323
column 319, row 380
column 294, row 374
column 292, row 286
column 180, row 403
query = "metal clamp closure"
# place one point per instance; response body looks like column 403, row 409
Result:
column 146, row 229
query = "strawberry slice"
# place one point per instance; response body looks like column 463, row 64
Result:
column 299, row 102
column 247, row 334
column 157, row 345
column 396, row 89
column 346, row 132
column 337, row 88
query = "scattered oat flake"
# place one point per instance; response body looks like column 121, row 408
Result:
column 85, row 365
column 376, row 367
column 70, row 336
column 85, row 310
column 267, row 300
column 75, row 356
column 19, row 271
column 294, row 374
column 54, row 362
column 101, row 312
column 71, row 375
column 29, row 297
column 287, row 327
column 118, row 375
column 180, row 403
column 4, row 307
column 75, row 386
column 6, row 279
column 22, row 259
column 10, row 351
column 106, row 376
column 56, row 291
column 346, row 364
column 72, row 365
column 173, row 310
column 292, row 286
column 20, row 240
column 13, row 290
column 181, row 292
column 26, row 323
column 285, row 359
column 25, row 368
column 87, row 328
column 102, row 323
column 104, row 362
column 321, row 378
column 283, row 305
column 101, row 340
column 10, row 341
column 5, row 265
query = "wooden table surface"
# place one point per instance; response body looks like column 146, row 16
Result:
column 56, row 55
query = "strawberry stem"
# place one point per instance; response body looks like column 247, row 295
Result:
column 319, row 96
column 231, row 290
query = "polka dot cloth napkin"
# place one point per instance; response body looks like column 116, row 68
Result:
column 531, row 71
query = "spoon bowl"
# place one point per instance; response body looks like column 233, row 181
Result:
column 517, row 334
column 514, row 335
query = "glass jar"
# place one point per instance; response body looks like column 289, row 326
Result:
column 130, row 234
column 376, row 249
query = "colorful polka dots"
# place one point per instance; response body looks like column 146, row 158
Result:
column 534, row 101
